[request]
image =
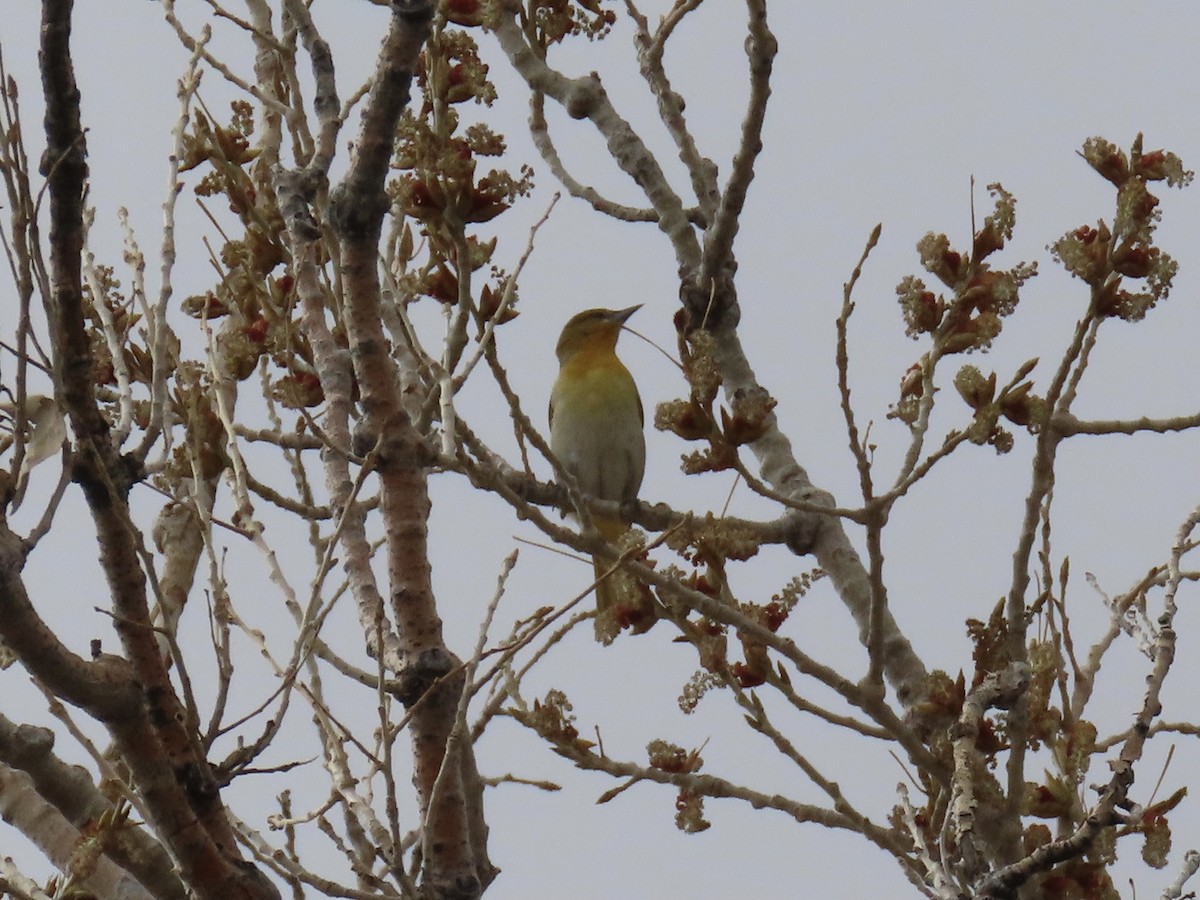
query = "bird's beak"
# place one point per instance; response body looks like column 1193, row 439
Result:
column 621, row 316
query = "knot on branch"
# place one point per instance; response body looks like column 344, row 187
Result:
column 69, row 162
column 413, row 11
column 583, row 96
column 404, row 449
column 356, row 214
column 392, row 444
column 296, row 189
column 1001, row 690
column 708, row 302
column 31, row 744
column 460, row 887
column 202, row 788
column 803, row 528
column 421, row 674
column 130, row 470
column 105, row 480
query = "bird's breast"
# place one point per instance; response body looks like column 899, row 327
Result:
column 596, row 429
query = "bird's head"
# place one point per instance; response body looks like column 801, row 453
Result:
column 592, row 329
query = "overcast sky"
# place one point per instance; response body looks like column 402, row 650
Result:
column 880, row 113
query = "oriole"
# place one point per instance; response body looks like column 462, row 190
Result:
column 596, row 432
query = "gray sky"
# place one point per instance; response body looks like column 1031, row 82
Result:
column 880, row 113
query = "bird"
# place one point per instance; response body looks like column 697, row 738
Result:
column 596, row 433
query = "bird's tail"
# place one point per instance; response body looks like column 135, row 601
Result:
column 621, row 600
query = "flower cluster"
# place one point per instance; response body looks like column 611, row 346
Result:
column 550, row 21
column 747, row 419
column 1017, row 403
column 966, row 318
column 970, row 317
column 443, row 190
column 1107, row 256
column 689, row 806
column 553, row 719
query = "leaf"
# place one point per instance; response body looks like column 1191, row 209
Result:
column 47, row 430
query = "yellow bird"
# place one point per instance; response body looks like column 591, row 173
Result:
column 596, row 431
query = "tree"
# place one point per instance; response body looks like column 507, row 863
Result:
column 296, row 399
